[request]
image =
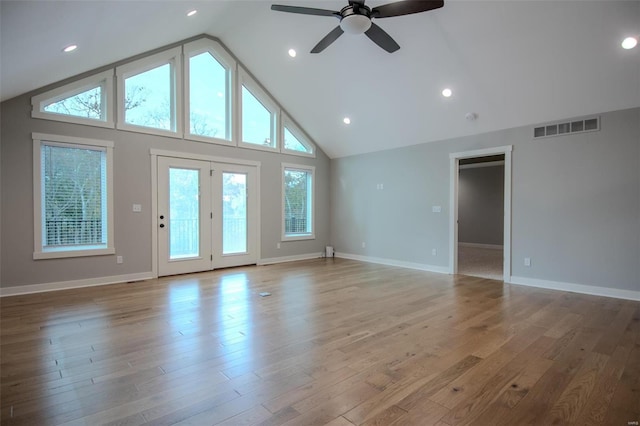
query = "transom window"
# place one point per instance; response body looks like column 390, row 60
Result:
column 149, row 93
column 293, row 139
column 86, row 101
column 212, row 99
column 259, row 115
column 147, row 100
column 209, row 75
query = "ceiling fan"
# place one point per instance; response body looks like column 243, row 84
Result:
column 356, row 18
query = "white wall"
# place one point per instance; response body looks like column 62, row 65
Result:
column 575, row 203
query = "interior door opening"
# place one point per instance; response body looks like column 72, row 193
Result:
column 478, row 235
column 481, row 216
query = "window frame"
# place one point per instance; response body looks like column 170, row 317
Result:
column 173, row 57
column 244, row 79
column 198, row 47
column 310, row 198
column 40, row 139
column 104, row 80
column 296, row 131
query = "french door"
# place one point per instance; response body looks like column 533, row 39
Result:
column 207, row 215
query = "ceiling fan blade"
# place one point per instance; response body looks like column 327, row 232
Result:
column 304, row 10
column 328, row 39
column 381, row 38
column 405, row 7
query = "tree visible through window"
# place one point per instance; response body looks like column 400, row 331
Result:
column 88, row 104
column 74, row 196
column 298, row 202
column 208, row 97
column 148, row 99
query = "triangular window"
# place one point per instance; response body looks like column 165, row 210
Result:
column 294, row 141
column 87, row 101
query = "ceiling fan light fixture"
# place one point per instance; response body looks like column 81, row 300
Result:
column 355, row 24
column 629, row 43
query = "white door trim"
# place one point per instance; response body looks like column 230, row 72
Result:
column 153, row 157
column 454, row 159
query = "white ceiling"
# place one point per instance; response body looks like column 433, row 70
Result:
column 512, row 63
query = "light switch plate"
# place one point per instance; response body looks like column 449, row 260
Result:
column 436, row 209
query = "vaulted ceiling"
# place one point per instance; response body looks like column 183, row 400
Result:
column 511, row 63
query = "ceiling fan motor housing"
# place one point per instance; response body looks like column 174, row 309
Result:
column 355, row 22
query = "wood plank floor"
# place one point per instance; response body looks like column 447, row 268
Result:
column 338, row 342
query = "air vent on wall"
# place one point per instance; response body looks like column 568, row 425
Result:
column 590, row 124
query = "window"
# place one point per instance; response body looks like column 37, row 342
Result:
column 258, row 127
column 209, row 96
column 86, row 101
column 294, row 141
column 148, row 93
column 72, row 197
column 297, row 202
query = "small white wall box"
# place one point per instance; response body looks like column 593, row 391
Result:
column 329, row 251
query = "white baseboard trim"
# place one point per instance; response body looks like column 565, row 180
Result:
column 66, row 285
column 577, row 288
column 393, row 262
column 485, row 246
column 284, row 259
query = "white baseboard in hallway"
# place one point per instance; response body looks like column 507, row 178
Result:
column 393, row 262
column 577, row 288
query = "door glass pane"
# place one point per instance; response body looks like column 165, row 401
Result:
column 234, row 213
column 184, row 217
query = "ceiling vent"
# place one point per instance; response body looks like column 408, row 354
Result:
column 590, row 124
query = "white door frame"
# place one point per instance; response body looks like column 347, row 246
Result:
column 454, row 170
column 154, row 154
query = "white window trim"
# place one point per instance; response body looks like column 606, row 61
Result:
column 287, row 122
column 171, row 56
column 304, row 236
column 103, row 80
column 226, row 60
column 244, row 79
column 39, row 253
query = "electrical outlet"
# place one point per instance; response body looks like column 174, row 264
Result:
column 119, row 259
column 527, row 261
column 434, row 252
column 364, row 244
column 137, row 208
column 278, row 245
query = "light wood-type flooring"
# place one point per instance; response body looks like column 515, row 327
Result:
column 338, row 342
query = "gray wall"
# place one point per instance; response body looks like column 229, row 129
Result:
column 575, row 202
column 132, row 184
column 481, row 205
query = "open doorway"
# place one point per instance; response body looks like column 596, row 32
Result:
column 481, row 216
column 484, row 178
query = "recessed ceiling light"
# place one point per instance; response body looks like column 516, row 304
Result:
column 292, row 53
column 447, row 93
column 192, row 12
column 346, row 120
column 629, row 43
column 70, row 48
